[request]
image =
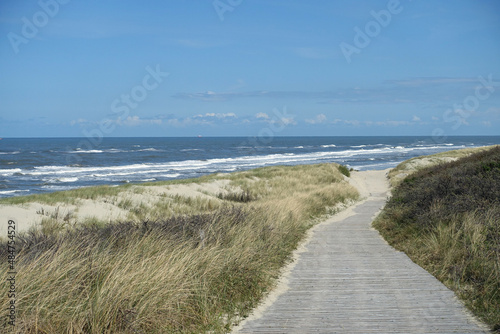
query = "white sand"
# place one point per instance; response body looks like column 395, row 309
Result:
column 372, row 183
column 416, row 164
column 107, row 209
column 104, row 209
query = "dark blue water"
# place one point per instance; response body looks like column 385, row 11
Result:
column 30, row 166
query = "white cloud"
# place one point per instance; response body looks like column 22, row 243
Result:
column 352, row 122
column 434, row 118
column 321, row 118
column 206, row 119
column 392, row 123
column 276, row 120
column 396, row 123
column 137, row 121
column 216, row 115
column 416, row 119
column 287, row 121
column 355, row 122
column 486, row 123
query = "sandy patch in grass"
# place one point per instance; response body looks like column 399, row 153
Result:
column 370, row 183
column 413, row 165
column 105, row 209
column 417, row 164
column 208, row 190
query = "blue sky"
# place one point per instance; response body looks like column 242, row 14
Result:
column 244, row 67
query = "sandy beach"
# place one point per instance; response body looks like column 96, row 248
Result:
column 30, row 215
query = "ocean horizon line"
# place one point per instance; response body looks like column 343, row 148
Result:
column 275, row 136
column 40, row 165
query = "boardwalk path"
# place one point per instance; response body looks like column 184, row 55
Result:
column 347, row 279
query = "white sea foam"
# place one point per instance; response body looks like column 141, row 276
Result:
column 9, row 172
column 55, row 177
column 68, row 179
column 79, row 151
column 70, row 174
column 151, row 149
column 9, row 192
column 331, row 145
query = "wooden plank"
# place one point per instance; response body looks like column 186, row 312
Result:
column 349, row 280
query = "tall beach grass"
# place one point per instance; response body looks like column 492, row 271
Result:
column 174, row 269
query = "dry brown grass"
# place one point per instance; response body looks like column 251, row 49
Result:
column 193, row 272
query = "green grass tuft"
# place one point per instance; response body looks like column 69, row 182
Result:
column 344, row 170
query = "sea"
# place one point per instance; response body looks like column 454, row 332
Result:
column 41, row 165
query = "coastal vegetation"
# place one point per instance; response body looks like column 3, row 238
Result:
column 178, row 264
column 446, row 217
column 407, row 167
column 344, row 170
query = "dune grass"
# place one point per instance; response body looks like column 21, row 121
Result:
column 68, row 196
column 96, row 192
column 178, row 271
column 447, row 219
column 410, row 166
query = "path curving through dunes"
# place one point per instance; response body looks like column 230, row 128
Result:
column 347, row 279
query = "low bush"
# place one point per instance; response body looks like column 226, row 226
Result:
column 344, row 170
column 447, row 219
column 244, row 196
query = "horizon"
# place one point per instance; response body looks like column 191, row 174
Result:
column 276, row 136
column 240, row 69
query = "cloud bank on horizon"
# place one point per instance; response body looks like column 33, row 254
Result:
column 232, row 67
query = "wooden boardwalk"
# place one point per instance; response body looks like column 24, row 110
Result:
column 349, row 280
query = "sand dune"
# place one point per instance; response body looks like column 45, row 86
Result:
column 106, row 209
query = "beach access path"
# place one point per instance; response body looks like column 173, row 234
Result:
column 346, row 279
